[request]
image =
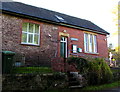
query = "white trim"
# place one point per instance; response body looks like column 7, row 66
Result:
column 66, row 47
column 64, row 41
column 31, row 33
column 91, row 52
column 90, row 47
column 86, row 42
column 95, row 43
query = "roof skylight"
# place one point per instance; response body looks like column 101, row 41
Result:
column 60, row 18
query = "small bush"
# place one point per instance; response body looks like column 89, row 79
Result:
column 116, row 74
column 96, row 70
column 99, row 72
column 81, row 63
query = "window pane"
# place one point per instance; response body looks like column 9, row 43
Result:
column 95, row 44
column 90, row 43
column 62, row 38
column 30, row 33
column 24, row 37
column 24, row 27
column 86, row 42
column 31, row 27
column 36, row 28
column 62, row 49
column 30, row 39
column 36, row 39
column 91, row 39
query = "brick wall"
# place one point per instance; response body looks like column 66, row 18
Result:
column 102, row 46
column 35, row 55
column 49, row 45
column 79, row 34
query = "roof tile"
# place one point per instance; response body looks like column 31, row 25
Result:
column 41, row 13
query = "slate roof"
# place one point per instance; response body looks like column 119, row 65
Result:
column 36, row 12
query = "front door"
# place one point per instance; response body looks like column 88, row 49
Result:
column 63, row 47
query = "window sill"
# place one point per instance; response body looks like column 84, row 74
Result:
column 91, row 53
column 30, row 44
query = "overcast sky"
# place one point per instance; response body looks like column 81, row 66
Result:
column 97, row 11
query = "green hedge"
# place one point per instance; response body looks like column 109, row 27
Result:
column 99, row 72
column 81, row 63
column 95, row 70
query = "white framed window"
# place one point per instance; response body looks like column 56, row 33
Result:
column 30, row 34
column 90, row 43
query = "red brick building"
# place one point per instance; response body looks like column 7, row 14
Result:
column 38, row 35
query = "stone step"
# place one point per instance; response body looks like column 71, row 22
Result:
column 77, row 86
column 72, row 79
column 73, row 83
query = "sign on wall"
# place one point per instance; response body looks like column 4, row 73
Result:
column 74, row 39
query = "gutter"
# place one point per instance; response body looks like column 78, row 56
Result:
column 50, row 21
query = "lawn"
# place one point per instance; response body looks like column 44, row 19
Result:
column 103, row 87
column 21, row 70
column 89, row 88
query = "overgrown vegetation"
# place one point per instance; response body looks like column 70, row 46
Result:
column 81, row 64
column 115, row 54
column 116, row 74
column 99, row 72
column 96, row 70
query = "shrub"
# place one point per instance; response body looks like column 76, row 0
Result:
column 81, row 64
column 116, row 74
column 99, row 72
column 96, row 70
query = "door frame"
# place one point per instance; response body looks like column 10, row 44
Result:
column 65, row 40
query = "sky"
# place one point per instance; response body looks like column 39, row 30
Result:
column 96, row 11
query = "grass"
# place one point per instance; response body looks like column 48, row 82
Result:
column 89, row 88
column 21, row 70
column 103, row 87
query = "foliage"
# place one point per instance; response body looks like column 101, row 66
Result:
column 96, row 70
column 116, row 73
column 116, row 56
column 115, row 53
column 99, row 72
column 81, row 63
column 32, row 70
